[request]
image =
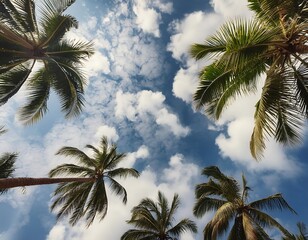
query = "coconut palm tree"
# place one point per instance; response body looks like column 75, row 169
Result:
column 303, row 234
column 223, row 195
column 274, row 43
column 7, row 162
column 24, row 42
column 154, row 221
column 83, row 194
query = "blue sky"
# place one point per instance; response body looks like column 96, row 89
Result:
column 140, row 83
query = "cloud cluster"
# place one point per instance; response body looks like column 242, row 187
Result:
column 147, row 104
column 148, row 14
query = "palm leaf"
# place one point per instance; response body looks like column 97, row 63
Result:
column 82, row 157
column 265, row 220
column 206, row 204
column 7, row 162
column 183, row 226
column 301, row 77
column 97, row 204
column 36, row 107
column 137, row 234
column 12, row 81
column 118, row 189
column 123, row 172
column 272, row 202
column 68, row 83
column 71, row 169
column 276, row 113
column 54, row 27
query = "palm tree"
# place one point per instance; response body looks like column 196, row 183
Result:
column 303, row 234
column 23, row 44
column 154, row 221
column 224, row 195
column 85, row 193
column 7, row 162
column 274, row 43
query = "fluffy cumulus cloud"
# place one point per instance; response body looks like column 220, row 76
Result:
column 145, row 105
column 148, row 15
column 109, row 132
column 147, row 185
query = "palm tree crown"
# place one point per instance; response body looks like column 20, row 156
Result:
column 154, row 221
column 23, row 43
column 224, row 195
column 274, row 43
column 7, row 162
column 89, row 198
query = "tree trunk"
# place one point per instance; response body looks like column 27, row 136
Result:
column 23, row 182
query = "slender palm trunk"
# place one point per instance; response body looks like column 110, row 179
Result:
column 23, row 182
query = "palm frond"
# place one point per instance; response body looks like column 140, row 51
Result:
column 251, row 230
column 54, row 27
column 71, row 51
column 208, row 188
column 11, row 82
column 36, row 105
column 206, row 204
column 81, row 156
column 183, row 226
column 72, row 170
column 265, row 220
column 118, row 189
column 215, row 229
column 26, row 10
column 51, row 7
column 97, row 204
column 7, row 162
column 276, row 113
column 18, row 15
column 229, row 186
column 272, row 202
column 68, row 82
column 137, row 234
column 69, row 197
column 301, row 77
column 123, row 172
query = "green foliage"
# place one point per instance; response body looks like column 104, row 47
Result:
column 23, row 44
column 273, row 43
column 89, row 199
column 223, row 195
column 154, row 220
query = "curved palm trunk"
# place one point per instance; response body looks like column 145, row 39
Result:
column 23, row 182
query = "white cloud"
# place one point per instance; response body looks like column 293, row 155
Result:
column 231, row 8
column 109, row 132
column 141, row 153
column 97, row 63
column 57, row 233
column 147, row 104
column 185, row 83
column 192, row 29
column 148, row 17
